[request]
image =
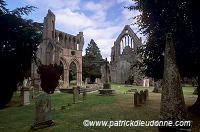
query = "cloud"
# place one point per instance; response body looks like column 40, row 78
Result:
column 104, row 38
column 55, row 4
column 100, row 20
column 99, row 33
column 72, row 21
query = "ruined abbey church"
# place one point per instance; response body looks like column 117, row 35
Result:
column 58, row 47
column 122, row 67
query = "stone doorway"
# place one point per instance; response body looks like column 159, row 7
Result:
column 72, row 74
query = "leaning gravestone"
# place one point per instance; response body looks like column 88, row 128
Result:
column 75, row 96
column 43, row 115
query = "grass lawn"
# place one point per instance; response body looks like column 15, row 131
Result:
column 101, row 108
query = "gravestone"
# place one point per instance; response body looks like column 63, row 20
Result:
column 147, row 94
column 87, row 80
column 97, row 80
column 157, row 86
column 145, row 82
column 43, row 114
column 136, row 99
column 75, row 96
column 84, row 95
column 107, row 90
column 142, row 96
column 25, row 96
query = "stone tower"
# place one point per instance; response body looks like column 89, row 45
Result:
column 58, row 47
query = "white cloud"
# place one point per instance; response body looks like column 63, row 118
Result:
column 55, row 4
column 104, row 38
column 99, row 33
column 72, row 20
column 100, row 20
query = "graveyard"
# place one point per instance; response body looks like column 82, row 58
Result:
column 55, row 77
column 68, row 116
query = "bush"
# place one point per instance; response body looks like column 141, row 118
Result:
column 49, row 75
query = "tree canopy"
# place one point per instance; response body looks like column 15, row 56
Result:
column 92, row 61
column 18, row 44
column 178, row 17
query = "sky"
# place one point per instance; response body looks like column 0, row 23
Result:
column 101, row 20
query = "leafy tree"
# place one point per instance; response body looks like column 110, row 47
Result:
column 92, row 62
column 180, row 18
column 18, row 44
column 72, row 72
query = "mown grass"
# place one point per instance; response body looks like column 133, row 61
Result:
column 106, row 108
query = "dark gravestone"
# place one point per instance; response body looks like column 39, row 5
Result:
column 136, row 99
column 43, row 111
column 75, row 96
column 147, row 94
column 142, row 97
column 84, row 95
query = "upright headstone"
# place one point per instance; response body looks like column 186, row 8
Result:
column 145, row 82
column 25, row 93
column 157, row 86
column 75, row 96
column 147, row 94
column 87, row 80
column 84, row 95
column 172, row 100
column 136, row 99
column 43, row 114
column 142, row 96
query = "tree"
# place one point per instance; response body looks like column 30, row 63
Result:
column 49, row 75
column 18, row 44
column 92, row 62
column 178, row 17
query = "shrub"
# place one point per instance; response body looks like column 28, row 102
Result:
column 49, row 75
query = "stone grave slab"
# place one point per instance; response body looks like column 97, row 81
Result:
column 43, row 116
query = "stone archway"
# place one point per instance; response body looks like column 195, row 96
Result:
column 66, row 69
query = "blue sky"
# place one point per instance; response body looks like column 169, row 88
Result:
column 101, row 20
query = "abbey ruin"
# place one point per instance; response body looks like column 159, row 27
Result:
column 122, row 67
column 58, row 47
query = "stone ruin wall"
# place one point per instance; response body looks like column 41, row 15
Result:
column 123, row 58
column 59, row 47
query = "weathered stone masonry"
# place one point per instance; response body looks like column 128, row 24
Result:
column 123, row 57
column 59, row 47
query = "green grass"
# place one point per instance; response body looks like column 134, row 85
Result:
column 106, row 108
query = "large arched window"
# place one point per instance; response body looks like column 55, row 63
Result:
column 127, row 40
